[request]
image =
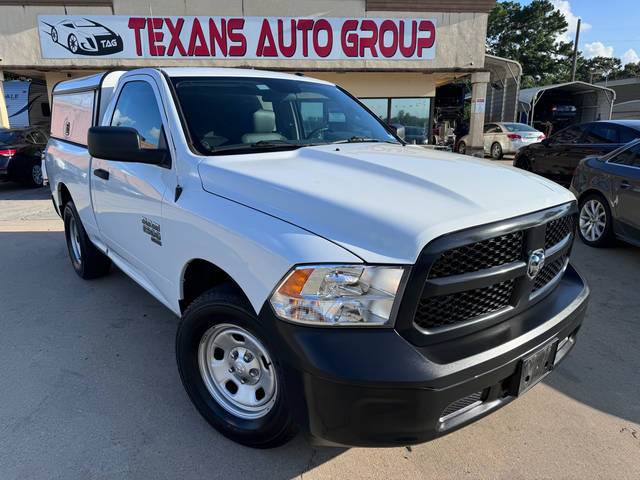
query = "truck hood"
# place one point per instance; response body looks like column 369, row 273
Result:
column 382, row 202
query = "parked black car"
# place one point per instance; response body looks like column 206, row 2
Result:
column 608, row 191
column 20, row 154
column 557, row 156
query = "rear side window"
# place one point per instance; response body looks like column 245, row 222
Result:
column 568, row 135
column 630, row 157
column 601, row 133
column 72, row 116
column 137, row 108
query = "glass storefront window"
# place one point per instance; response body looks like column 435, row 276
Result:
column 412, row 113
column 379, row 106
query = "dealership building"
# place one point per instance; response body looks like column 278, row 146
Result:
column 393, row 55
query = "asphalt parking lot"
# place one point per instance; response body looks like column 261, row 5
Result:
column 89, row 388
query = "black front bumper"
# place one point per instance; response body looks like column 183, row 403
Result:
column 372, row 387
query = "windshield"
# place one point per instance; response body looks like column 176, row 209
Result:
column 224, row 114
column 7, row 136
column 518, row 127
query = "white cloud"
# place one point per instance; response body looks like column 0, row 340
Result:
column 572, row 20
column 630, row 56
column 154, row 133
column 122, row 120
column 597, row 49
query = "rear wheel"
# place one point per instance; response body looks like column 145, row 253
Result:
column 231, row 372
column 87, row 260
column 496, row 151
column 595, row 222
column 462, row 148
column 35, row 176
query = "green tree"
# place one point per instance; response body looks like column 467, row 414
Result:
column 529, row 34
column 597, row 68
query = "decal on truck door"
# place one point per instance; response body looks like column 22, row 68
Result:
column 153, row 229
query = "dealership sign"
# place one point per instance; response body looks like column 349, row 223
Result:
column 124, row 36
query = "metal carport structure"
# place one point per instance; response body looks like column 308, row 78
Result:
column 503, row 89
column 592, row 102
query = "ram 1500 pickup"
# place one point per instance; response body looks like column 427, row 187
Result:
column 329, row 277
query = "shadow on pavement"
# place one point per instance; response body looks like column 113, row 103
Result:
column 18, row 191
column 603, row 369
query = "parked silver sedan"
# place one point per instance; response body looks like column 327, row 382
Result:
column 501, row 138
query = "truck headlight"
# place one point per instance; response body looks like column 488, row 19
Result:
column 338, row 295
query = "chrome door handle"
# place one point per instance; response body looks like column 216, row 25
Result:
column 625, row 185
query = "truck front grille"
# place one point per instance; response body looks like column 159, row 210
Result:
column 557, row 230
column 487, row 278
column 548, row 272
column 443, row 310
column 478, row 256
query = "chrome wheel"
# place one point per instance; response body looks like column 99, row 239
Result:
column 237, row 371
column 36, row 175
column 593, row 220
column 74, row 238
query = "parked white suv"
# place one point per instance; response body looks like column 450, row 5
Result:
column 329, row 277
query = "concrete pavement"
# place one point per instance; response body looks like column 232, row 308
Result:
column 89, row 388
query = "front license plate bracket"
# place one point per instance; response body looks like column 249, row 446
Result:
column 537, row 365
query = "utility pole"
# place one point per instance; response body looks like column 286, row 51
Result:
column 575, row 52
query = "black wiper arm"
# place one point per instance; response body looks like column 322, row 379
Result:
column 272, row 143
column 356, row 139
column 256, row 146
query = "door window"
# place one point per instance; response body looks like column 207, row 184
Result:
column 137, row 108
column 601, row 133
column 630, row 157
column 568, row 135
column 492, row 128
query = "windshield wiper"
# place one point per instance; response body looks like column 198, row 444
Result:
column 261, row 144
column 356, row 139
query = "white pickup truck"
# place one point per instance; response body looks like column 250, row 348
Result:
column 328, row 277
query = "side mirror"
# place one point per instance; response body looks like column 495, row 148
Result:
column 399, row 130
column 123, row 144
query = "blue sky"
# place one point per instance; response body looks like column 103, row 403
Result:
column 609, row 29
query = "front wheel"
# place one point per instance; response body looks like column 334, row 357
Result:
column 595, row 225
column 88, row 262
column 231, row 371
column 54, row 34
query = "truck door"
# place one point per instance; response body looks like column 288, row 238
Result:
column 127, row 196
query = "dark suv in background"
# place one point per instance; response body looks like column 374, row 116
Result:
column 558, row 156
column 608, row 191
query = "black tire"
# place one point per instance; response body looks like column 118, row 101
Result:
column 33, row 178
column 607, row 236
column 496, row 151
column 91, row 262
column 523, row 163
column 224, row 306
column 54, row 34
column 462, row 148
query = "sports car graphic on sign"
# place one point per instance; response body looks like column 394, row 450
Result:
column 85, row 37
